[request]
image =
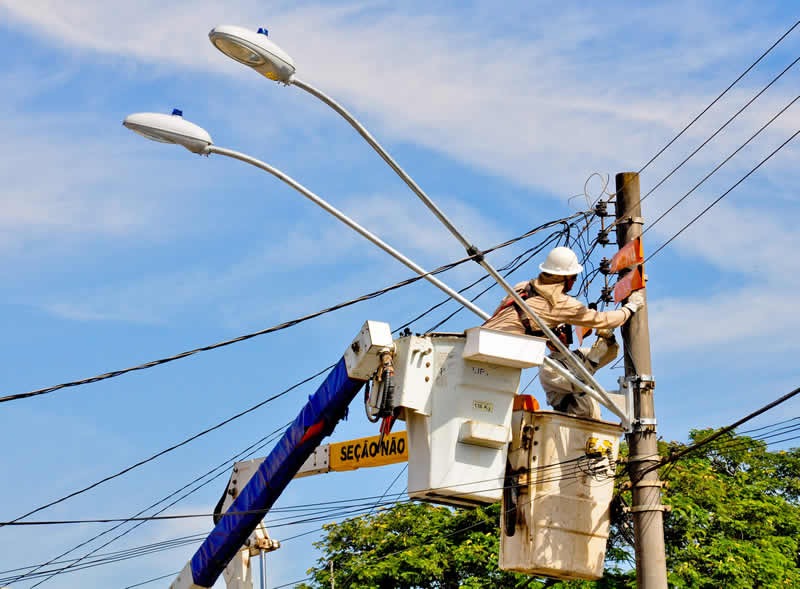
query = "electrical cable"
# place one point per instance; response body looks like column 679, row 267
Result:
column 146, row 508
column 723, row 93
column 529, row 233
column 726, row 160
column 714, row 202
column 715, row 133
column 723, row 195
column 253, row 448
column 168, row 575
column 705, row 441
column 173, row 447
column 280, row 326
column 706, row 109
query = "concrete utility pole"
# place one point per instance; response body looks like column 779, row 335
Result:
column 648, row 520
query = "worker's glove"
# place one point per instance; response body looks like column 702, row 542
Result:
column 635, row 301
column 606, row 334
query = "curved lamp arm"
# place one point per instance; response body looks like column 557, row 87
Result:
column 350, row 223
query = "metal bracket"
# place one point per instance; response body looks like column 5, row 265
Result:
column 644, row 508
column 631, row 220
column 644, row 458
column 646, row 421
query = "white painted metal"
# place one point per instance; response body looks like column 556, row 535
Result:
column 563, row 506
column 413, row 374
column 575, row 365
column 362, row 357
column 457, row 420
column 352, row 224
column 169, row 129
column 184, row 580
column 602, row 397
column 318, row 463
column 504, row 349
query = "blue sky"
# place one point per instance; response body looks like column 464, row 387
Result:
column 117, row 251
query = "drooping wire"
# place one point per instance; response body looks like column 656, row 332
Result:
column 723, row 195
column 531, row 232
column 720, row 129
column 266, row 440
column 717, row 99
column 718, row 166
column 279, row 327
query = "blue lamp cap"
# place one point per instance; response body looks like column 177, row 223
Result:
column 263, row 31
column 177, row 112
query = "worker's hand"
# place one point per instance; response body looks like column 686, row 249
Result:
column 635, row 301
column 605, row 333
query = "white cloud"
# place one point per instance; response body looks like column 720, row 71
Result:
column 540, row 108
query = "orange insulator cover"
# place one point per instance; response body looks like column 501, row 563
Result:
column 526, row 403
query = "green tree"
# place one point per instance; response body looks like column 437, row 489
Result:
column 735, row 519
column 734, row 523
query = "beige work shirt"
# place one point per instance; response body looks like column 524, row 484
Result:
column 554, row 307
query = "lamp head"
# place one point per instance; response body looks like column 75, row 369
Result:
column 254, row 49
column 169, row 129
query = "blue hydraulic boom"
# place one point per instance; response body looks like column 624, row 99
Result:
column 324, row 409
column 318, row 418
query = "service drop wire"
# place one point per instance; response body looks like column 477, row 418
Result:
column 714, row 202
column 280, row 326
column 249, row 451
column 504, row 244
column 706, row 109
column 357, row 510
column 722, row 163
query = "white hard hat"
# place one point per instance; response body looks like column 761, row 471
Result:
column 562, row 261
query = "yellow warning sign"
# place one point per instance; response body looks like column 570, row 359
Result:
column 365, row 452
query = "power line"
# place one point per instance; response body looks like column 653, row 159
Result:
column 527, row 234
column 723, row 195
column 706, row 109
column 171, row 448
column 723, row 93
column 725, row 161
column 720, row 129
column 279, row 327
column 151, row 580
column 252, row 448
column 705, row 441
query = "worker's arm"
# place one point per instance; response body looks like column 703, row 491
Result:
column 574, row 312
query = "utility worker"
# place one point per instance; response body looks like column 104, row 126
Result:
column 562, row 395
column 547, row 296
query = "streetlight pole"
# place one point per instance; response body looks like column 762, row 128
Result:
column 257, row 51
column 176, row 130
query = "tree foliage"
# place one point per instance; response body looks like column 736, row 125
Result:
column 735, row 519
column 734, row 523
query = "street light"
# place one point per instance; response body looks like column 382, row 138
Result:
column 259, row 52
column 176, row 130
column 169, row 129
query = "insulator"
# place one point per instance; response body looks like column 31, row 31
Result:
column 601, row 209
column 602, row 237
column 607, row 294
column 605, row 266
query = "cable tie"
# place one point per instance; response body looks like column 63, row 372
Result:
column 475, row 253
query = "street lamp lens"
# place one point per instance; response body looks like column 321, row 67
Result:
column 254, row 49
column 238, row 50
